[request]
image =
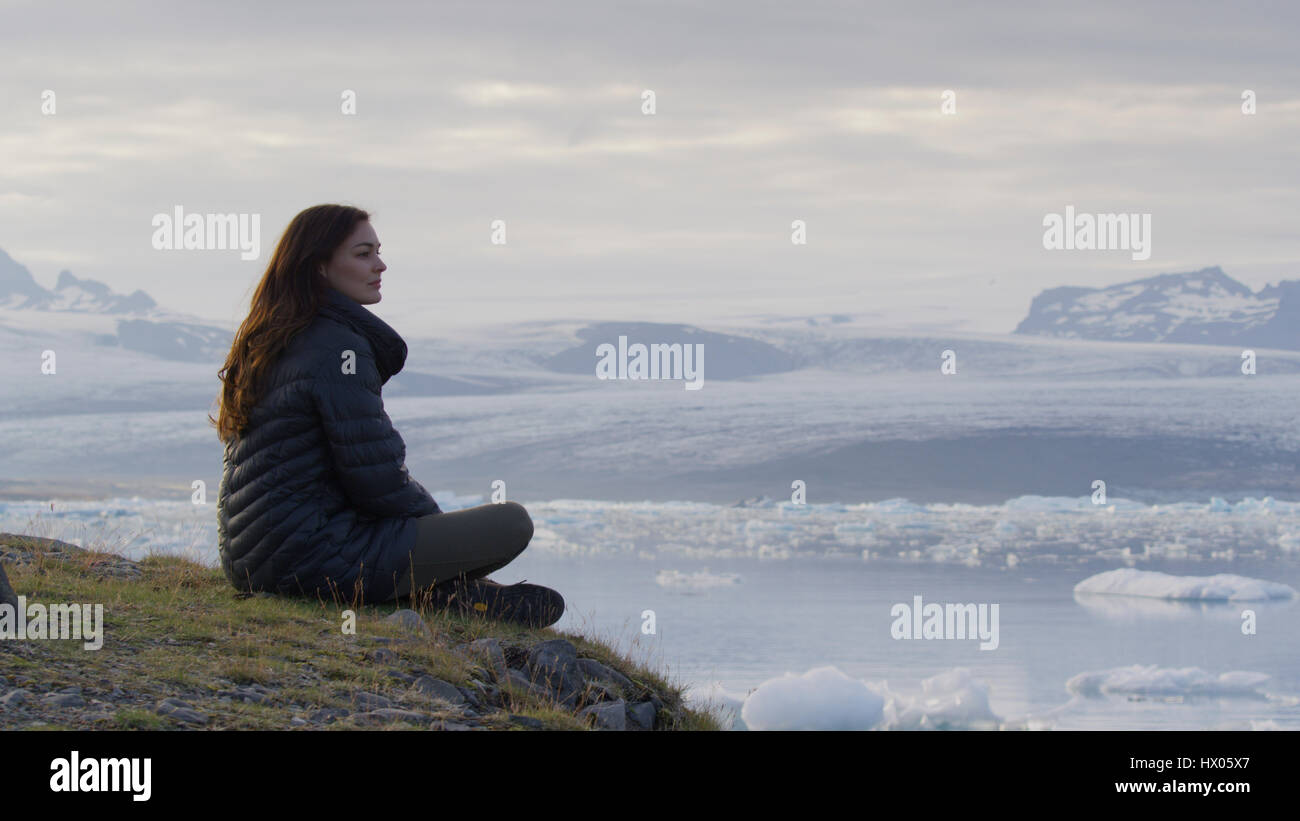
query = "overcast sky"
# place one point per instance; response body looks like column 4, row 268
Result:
column 530, row 112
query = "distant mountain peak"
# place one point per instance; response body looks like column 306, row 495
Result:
column 1204, row 307
column 18, row 289
column 75, row 294
column 16, row 283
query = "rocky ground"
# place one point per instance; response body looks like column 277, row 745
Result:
column 182, row 649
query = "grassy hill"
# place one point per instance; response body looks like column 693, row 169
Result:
column 182, row 649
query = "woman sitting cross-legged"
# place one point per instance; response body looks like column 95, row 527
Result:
column 315, row 495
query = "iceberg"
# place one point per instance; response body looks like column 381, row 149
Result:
column 1151, row 584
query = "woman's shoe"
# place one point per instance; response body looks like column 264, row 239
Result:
column 528, row 604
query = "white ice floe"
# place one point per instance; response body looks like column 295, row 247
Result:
column 1166, row 681
column 827, row 699
column 1151, row 584
column 1037, row 530
column 949, row 701
column 699, row 580
column 1144, row 608
column 820, row 699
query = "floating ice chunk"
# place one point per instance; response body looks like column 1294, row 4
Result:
column 550, row 542
column 1047, row 504
column 948, row 701
column 820, row 699
column 1289, row 542
column 759, row 532
column 699, row 580
column 853, row 533
column 1145, row 608
column 1149, row 583
column 1166, row 681
column 1252, row 505
column 898, row 505
column 763, row 526
column 827, row 699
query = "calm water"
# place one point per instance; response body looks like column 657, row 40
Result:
column 806, row 598
column 795, row 615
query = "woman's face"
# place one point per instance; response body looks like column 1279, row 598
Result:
column 355, row 267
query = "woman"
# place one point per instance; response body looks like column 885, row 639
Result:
column 315, row 495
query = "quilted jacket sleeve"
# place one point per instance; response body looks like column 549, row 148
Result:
column 369, row 456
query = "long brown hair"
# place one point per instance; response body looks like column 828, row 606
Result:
column 285, row 302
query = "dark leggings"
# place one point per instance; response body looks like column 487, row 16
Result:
column 469, row 543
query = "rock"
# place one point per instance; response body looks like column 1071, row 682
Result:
column 520, row 681
column 410, row 622
column 560, row 647
column 641, row 715
column 488, row 692
column 370, row 701
column 596, row 691
column 64, row 700
column 176, row 709
column 608, row 715
column 516, row 657
column 382, row 655
column 471, row 697
column 450, row 725
column 439, row 689
column 247, row 694
column 15, row 698
column 527, row 721
column 489, row 653
column 7, row 594
column 403, row 677
column 327, row 715
column 297, row 721
column 388, row 715
column 21, row 549
column 554, row 665
column 594, row 669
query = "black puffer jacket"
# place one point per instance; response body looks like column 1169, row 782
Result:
column 315, row 494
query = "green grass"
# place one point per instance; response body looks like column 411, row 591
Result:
column 182, row 631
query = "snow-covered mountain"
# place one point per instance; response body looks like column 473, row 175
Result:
column 1205, row 307
column 19, row 290
column 90, row 309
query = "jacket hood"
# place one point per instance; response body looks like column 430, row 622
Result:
column 389, row 348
